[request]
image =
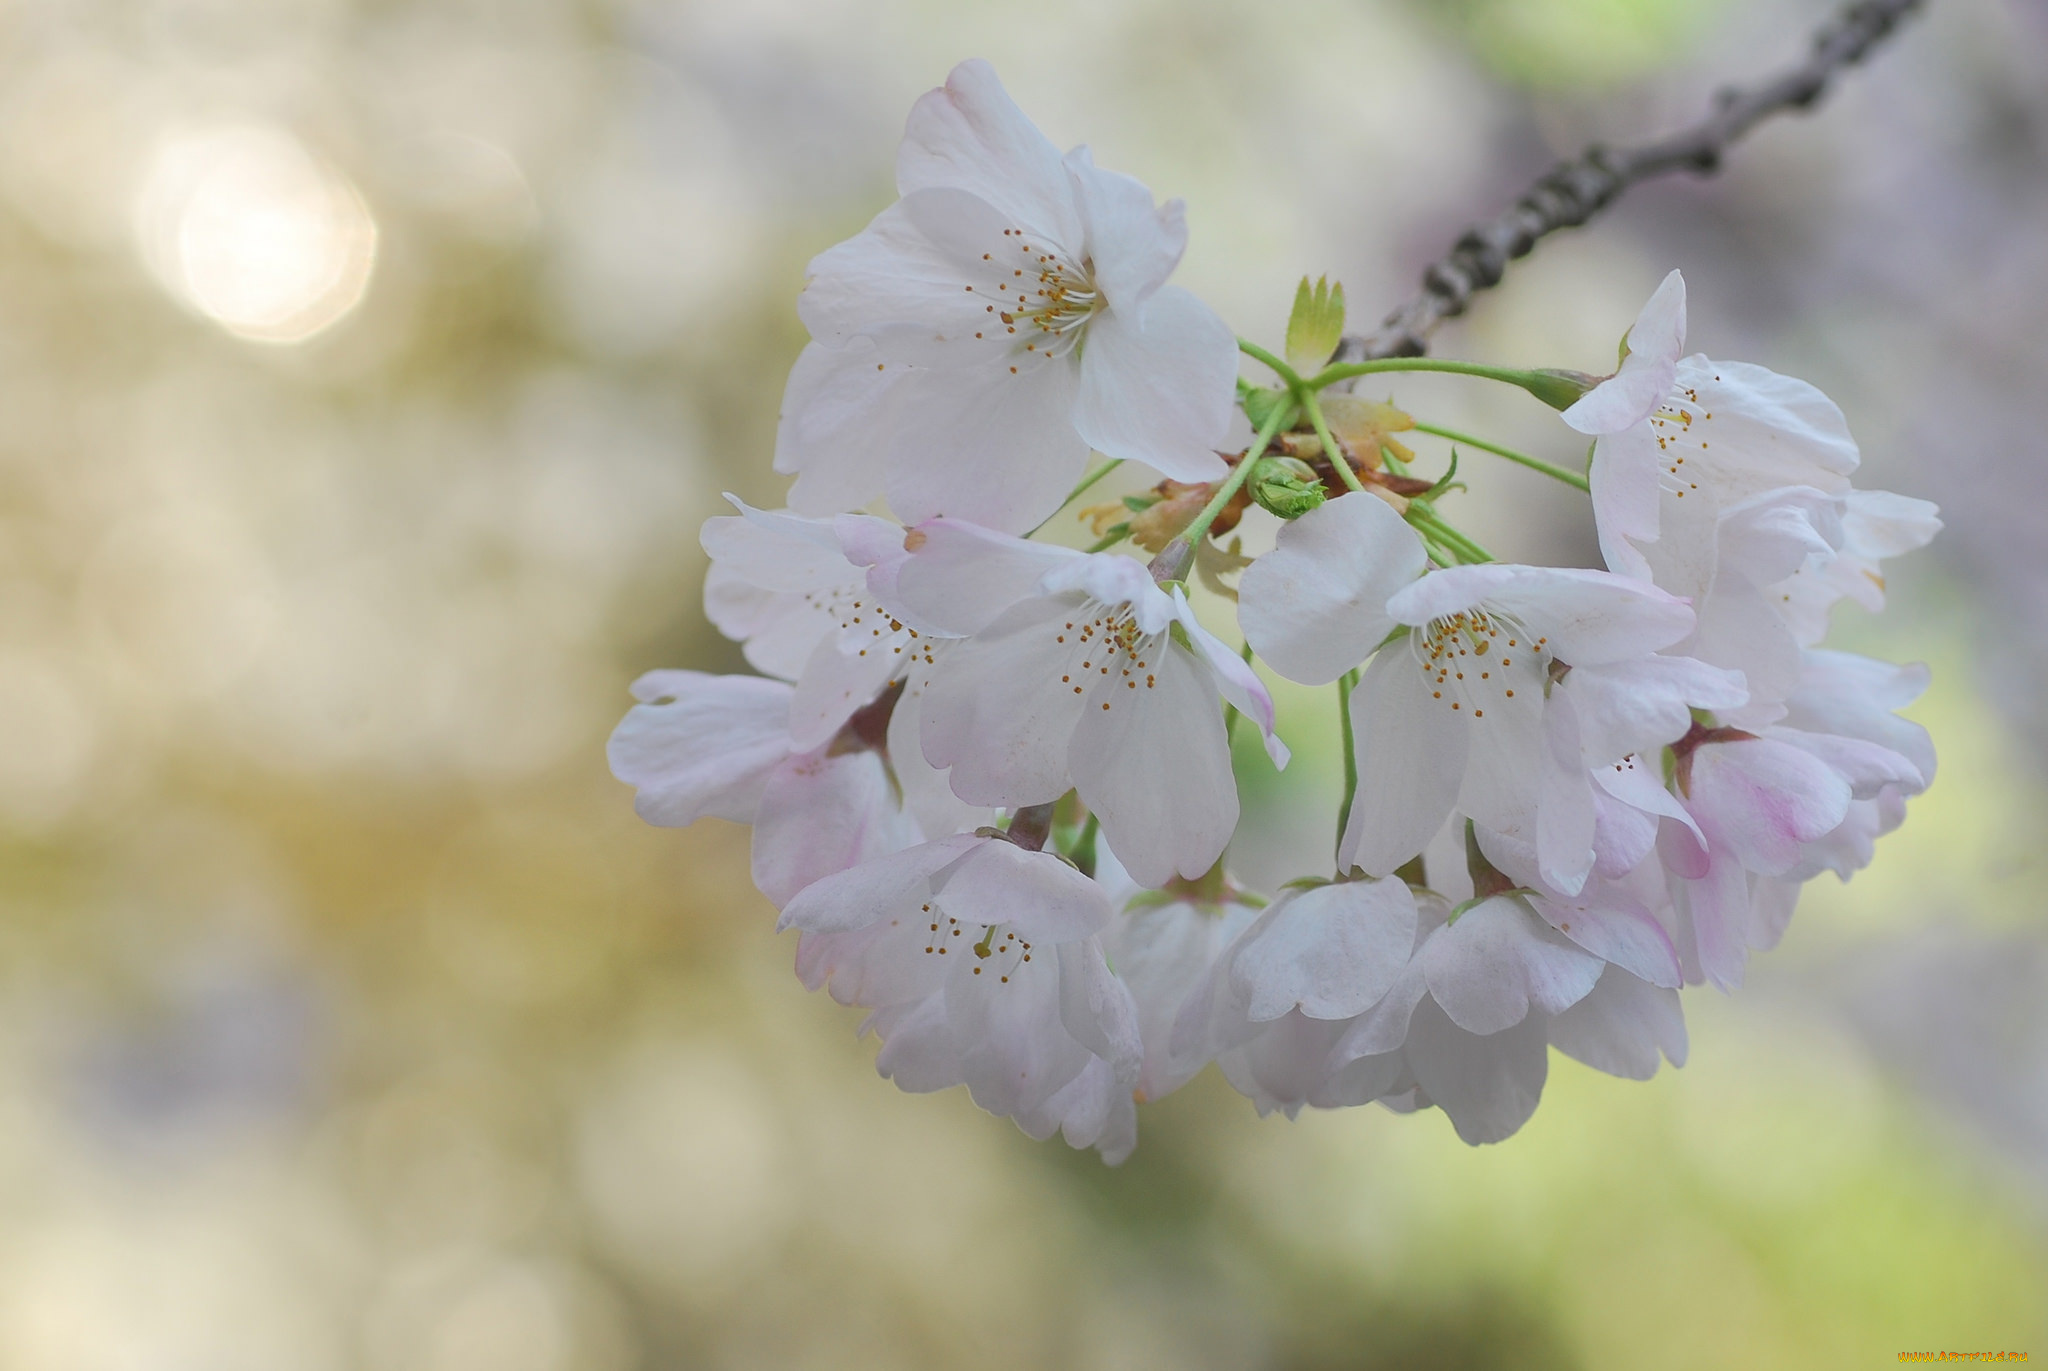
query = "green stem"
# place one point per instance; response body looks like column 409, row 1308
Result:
column 1192, row 534
column 1426, row 521
column 1330, row 448
column 1281, row 369
column 1554, row 388
column 1556, row 473
column 1110, row 539
column 1086, row 481
column 1345, row 685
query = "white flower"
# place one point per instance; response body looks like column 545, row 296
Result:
column 983, row 965
column 1289, row 986
column 1459, row 714
column 1006, row 315
column 699, row 745
column 1081, row 673
column 1719, row 433
column 1468, row 1026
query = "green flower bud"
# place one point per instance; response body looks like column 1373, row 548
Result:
column 1286, row 486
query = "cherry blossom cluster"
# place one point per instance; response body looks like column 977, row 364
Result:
column 990, row 776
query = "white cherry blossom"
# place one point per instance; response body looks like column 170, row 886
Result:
column 1005, row 316
column 1081, row 673
column 1720, row 433
column 982, row 963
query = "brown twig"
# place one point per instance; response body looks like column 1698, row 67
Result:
column 1572, row 192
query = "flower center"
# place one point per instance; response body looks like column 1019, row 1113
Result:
column 1041, row 299
column 1478, row 659
column 1680, row 428
column 865, row 627
column 1099, row 644
column 997, row 956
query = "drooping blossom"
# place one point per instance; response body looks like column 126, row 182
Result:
column 1718, row 433
column 1006, row 315
column 983, row 966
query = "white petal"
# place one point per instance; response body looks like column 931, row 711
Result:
column 1613, row 926
column 1014, row 1050
column 1763, row 799
column 875, row 890
column 1840, row 692
column 775, row 549
column 1411, row 761
column 1096, row 1008
column 1133, row 245
column 920, row 1053
column 840, row 677
column 1879, row 523
column 1035, row 894
column 700, row 744
column 1767, row 430
column 1565, row 817
column 1316, row 606
column 1498, row 961
column 998, row 713
column 926, row 795
column 1331, row 952
column 1487, row 1086
column 905, row 283
column 1587, row 616
column 989, row 446
column 1867, row 767
column 1623, row 1027
column 1626, row 498
column 1635, row 390
column 959, row 576
column 1236, row 682
column 836, row 426
column 970, row 135
column 1113, row 580
column 821, row 815
column 1646, row 703
column 1150, row 759
column 1157, row 387
column 1504, row 763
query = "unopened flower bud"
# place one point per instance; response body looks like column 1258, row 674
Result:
column 1286, row 486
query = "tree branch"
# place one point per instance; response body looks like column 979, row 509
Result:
column 1574, row 191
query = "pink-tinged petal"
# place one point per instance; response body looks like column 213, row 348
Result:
column 700, row 745
column 1683, row 848
column 1623, row 1027
column 1626, row 498
column 1565, row 817
column 1097, row 1010
column 970, row 135
column 1134, row 245
column 1647, row 371
column 1411, row 761
column 839, row 678
column 1316, row 606
column 1622, row 835
column 1763, row 799
column 1717, row 908
column 1588, row 617
column 1332, row 952
column 958, row 576
column 837, row 426
column 990, row 446
column 1157, row 387
column 876, row 890
column 1034, row 894
column 1487, row 1086
column 1114, row 580
column 1646, row 703
column 821, row 815
column 1613, row 926
column 997, row 711
column 1867, row 767
column 1236, row 682
column 1498, row 961
column 1149, row 758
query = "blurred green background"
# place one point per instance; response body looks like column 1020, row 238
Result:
column 365, row 372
